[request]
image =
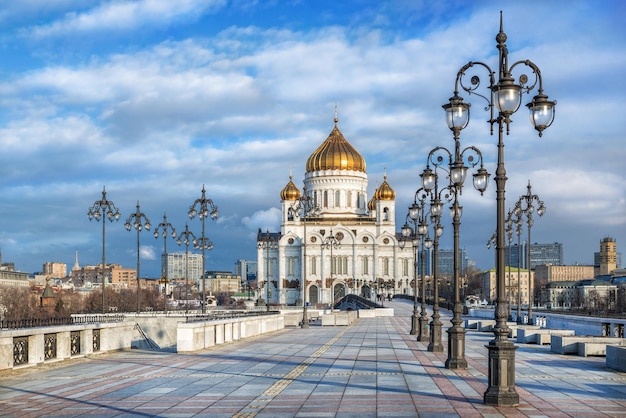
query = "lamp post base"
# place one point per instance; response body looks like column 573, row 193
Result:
column 456, row 348
column 435, row 335
column 501, row 390
column 305, row 317
column 423, row 324
column 414, row 323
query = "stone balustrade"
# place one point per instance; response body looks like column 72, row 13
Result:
column 31, row 346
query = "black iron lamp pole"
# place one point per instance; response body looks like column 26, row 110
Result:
column 201, row 208
column 457, row 163
column 138, row 220
column 331, row 242
column 187, row 237
column 409, row 234
column 504, row 99
column 304, row 208
column 267, row 242
column 104, row 209
column 524, row 206
column 518, row 231
column 165, row 228
column 430, row 183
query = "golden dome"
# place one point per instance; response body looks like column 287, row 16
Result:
column 290, row 191
column 371, row 205
column 335, row 154
column 385, row 192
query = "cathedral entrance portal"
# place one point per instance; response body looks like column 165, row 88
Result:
column 339, row 291
column 313, row 295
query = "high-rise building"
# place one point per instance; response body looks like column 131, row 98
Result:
column 539, row 254
column 445, row 262
column 181, row 266
column 246, row 269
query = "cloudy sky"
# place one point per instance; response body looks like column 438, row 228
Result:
column 156, row 98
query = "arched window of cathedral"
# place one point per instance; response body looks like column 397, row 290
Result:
column 385, row 266
column 405, row 267
column 313, row 264
column 345, row 265
column 349, row 199
column 337, row 198
column 386, row 214
column 365, row 266
column 291, row 262
column 325, row 198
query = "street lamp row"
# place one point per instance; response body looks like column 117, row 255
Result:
column 503, row 99
column 105, row 209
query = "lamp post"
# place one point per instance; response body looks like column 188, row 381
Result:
column 104, row 209
column 185, row 237
column 524, row 206
column 416, row 235
column 165, row 228
column 504, row 97
column 203, row 205
column 518, row 231
column 409, row 234
column 430, row 184
column 267, row 242
column 331, row 242
column 458, row 163
column 508, row 227
column 304, row 207
column 137, row 218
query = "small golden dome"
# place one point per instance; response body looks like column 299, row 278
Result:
column 385, row 192
column 335, row 154
column 371, row 205
column 290, row 191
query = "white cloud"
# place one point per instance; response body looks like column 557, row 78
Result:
column 125, row 15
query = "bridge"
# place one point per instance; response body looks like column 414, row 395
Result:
column 368, row 369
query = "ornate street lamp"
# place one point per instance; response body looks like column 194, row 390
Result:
column 457, row 165
column 430, row 184
column 303, row 208
column 267, row 242
column 201, row 208
column 329, row 243
column 137, row 218
column 508, row 227
column 524, row 206
column 165, row 228
column 518, row 231
column 104, row 209
column 187, row 237
column 416, row 235
column 504, row 100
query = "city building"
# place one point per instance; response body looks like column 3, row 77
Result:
column 550, row 273
column 608, row 259
column 115, row 274
column 54, row 270
column 445, row 262
column 181, row 266
column 351, row 245
column 488, row 280
column 246, row 269
column 539, row 254
column 10, row 277
column 223, row 282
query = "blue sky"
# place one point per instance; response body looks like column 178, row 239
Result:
column 154, row 99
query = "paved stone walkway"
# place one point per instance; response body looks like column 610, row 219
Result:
column 373, row 368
